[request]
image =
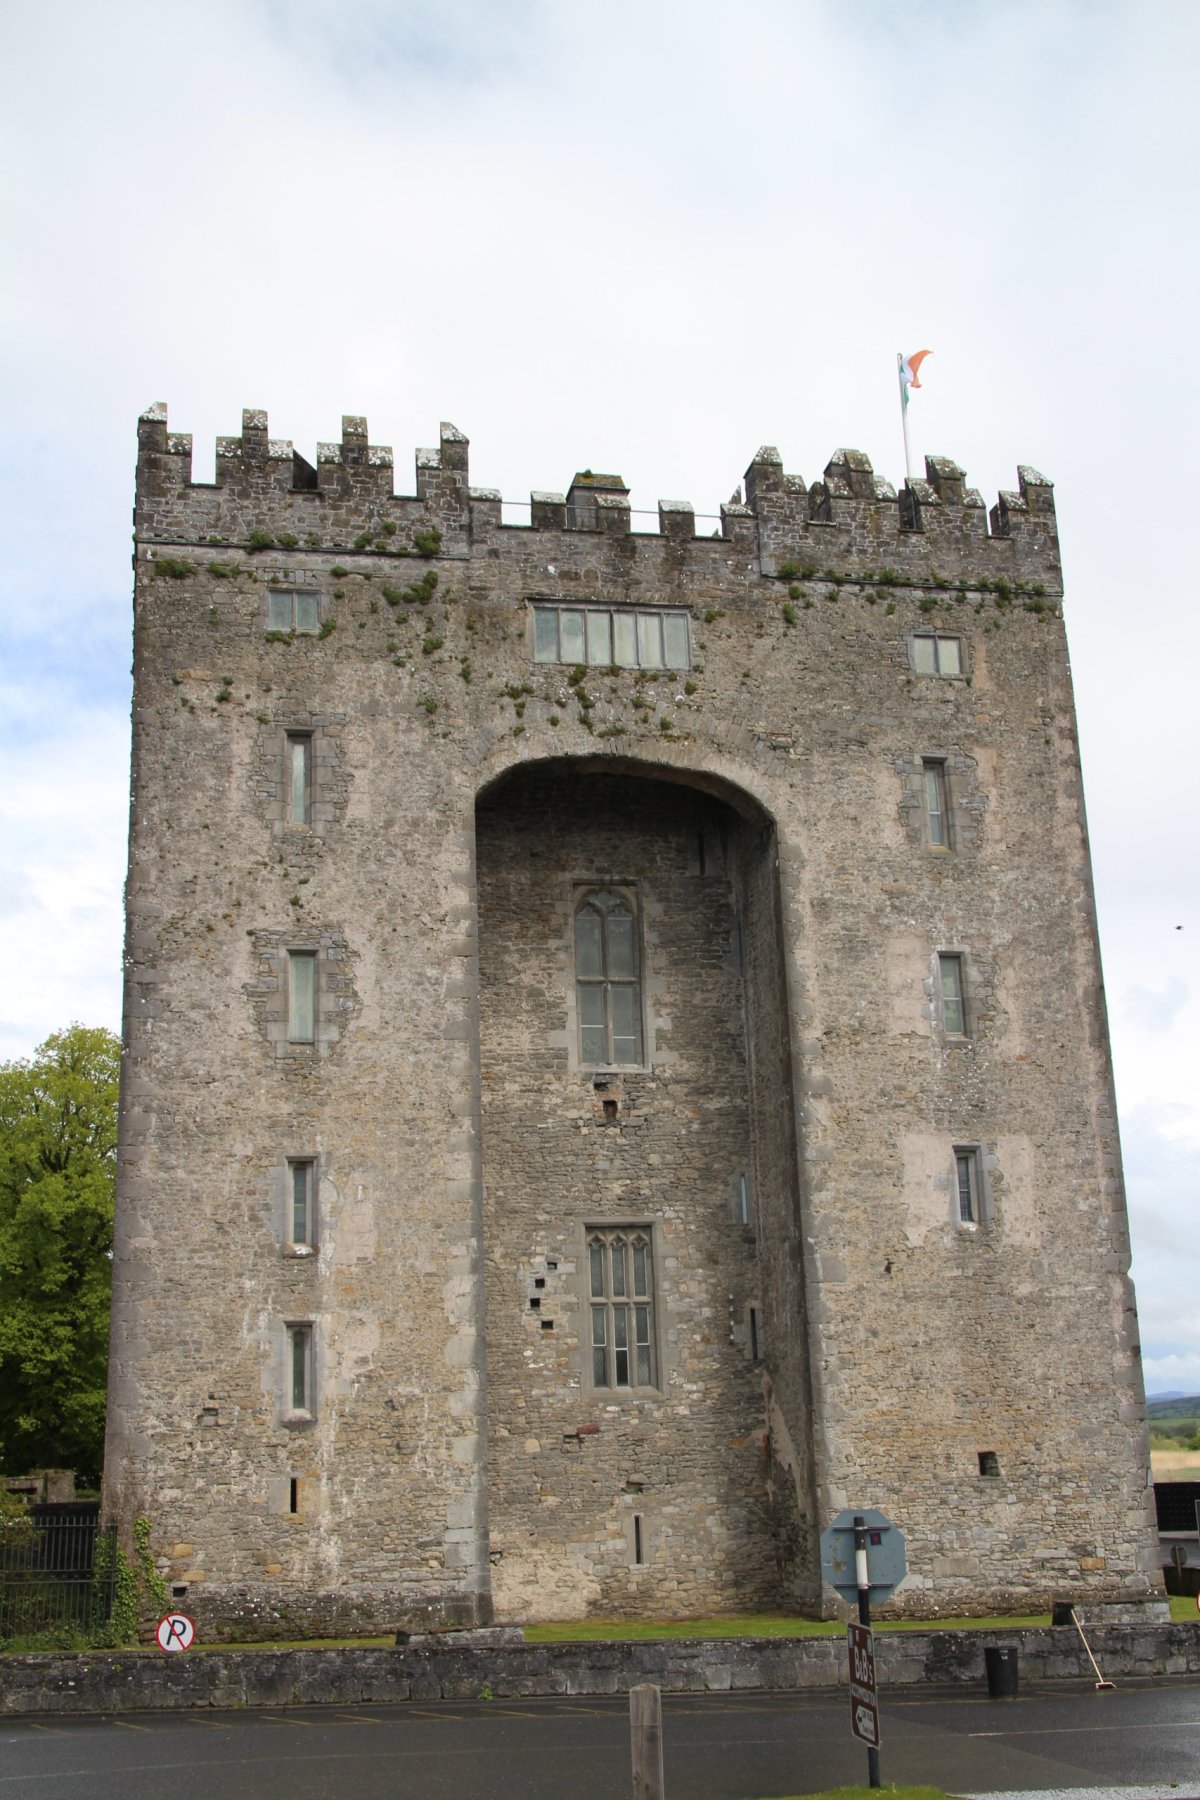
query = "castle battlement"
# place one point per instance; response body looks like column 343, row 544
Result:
column 851, row 522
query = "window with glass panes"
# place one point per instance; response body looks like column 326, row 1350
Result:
column 621, row 1294
column 936, row 812
column 293, row 609
column 299, row 1373
column 302, row 1173
column 298, row 774
column 608, row 989
column 950, row 974
column 966, row 1182
column 302, row 996
column 934, row 655
column 611, row 637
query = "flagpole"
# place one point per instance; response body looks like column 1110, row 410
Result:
column 904, row 415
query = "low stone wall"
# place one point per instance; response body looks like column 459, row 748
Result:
column 123, row 1681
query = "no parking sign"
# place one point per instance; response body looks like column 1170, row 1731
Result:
column 175, row 1631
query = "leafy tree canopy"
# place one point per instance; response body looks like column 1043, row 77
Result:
column 58, row 1148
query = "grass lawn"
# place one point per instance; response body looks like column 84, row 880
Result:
column 617, row 1631
column 867, row 1793
column 767, row 1625
column 781, row 1625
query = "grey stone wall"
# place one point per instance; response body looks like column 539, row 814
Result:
column 792, row 1022
column 117, row 1682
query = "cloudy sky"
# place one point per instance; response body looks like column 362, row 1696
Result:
column 648, row 235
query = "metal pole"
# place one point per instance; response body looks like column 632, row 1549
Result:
column 863, row 1578
column 904, row 415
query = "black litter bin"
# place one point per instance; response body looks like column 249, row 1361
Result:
column 1000, row 1661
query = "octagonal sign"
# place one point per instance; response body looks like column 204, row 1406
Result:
column 886, row 1564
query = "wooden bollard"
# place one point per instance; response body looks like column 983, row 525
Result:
column 645, row 1737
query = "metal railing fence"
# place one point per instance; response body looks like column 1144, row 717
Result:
column 58, row 1567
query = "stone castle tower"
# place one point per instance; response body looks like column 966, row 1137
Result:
column 617, row 1066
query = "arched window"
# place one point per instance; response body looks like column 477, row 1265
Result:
column 621, row 1290
column 607, row 979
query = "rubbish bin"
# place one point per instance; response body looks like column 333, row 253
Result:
column 1000, row 1662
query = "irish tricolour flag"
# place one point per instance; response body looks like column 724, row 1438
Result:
column 910, row 377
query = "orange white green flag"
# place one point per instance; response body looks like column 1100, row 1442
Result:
column 909, row 368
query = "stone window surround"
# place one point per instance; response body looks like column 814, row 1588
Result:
column 305, row 1248
column 981, row 1189
column 966, row 801
column 272, row 774
column 937, row 638
column 298, row 1339
column 333, row 996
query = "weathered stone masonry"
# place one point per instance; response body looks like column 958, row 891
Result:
column 353, row 760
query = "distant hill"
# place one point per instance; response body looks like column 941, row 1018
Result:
column 1173, row 1406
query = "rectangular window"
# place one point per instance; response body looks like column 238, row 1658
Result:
column 612, row 637
column 300, row 1367
column 621, row 1295
column 302, row 996
column 936, row 810
column 299, row 778
column 935, row 655
column 608, row 988
column 293, row 609
column 966, row 1178
column 302, row 1196
column 950, row 971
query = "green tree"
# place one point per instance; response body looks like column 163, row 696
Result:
column 58, row 1148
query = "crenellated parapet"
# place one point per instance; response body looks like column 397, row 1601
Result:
column 850, row 525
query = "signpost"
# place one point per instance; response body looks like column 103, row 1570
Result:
column 862, row 1554
column 864, row 1695
column 175, row 1631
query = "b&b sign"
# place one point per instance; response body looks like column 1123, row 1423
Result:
column 864, row 1695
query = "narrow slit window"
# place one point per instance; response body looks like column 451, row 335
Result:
column 300, row 1367
column 302, row 996
column 950, row 974
column 639, row 1542
column 299, row 778
column 621, row 1294
column 936, row 810
column 966, row 1178
column 608, row 980
column 293, row 1495
column 302, row 1220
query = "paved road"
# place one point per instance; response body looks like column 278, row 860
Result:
column 718, row 1747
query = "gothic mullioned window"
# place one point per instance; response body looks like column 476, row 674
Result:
column 608, row 988
column 621, row 1296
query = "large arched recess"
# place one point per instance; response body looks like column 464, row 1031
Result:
column 680, row 1477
